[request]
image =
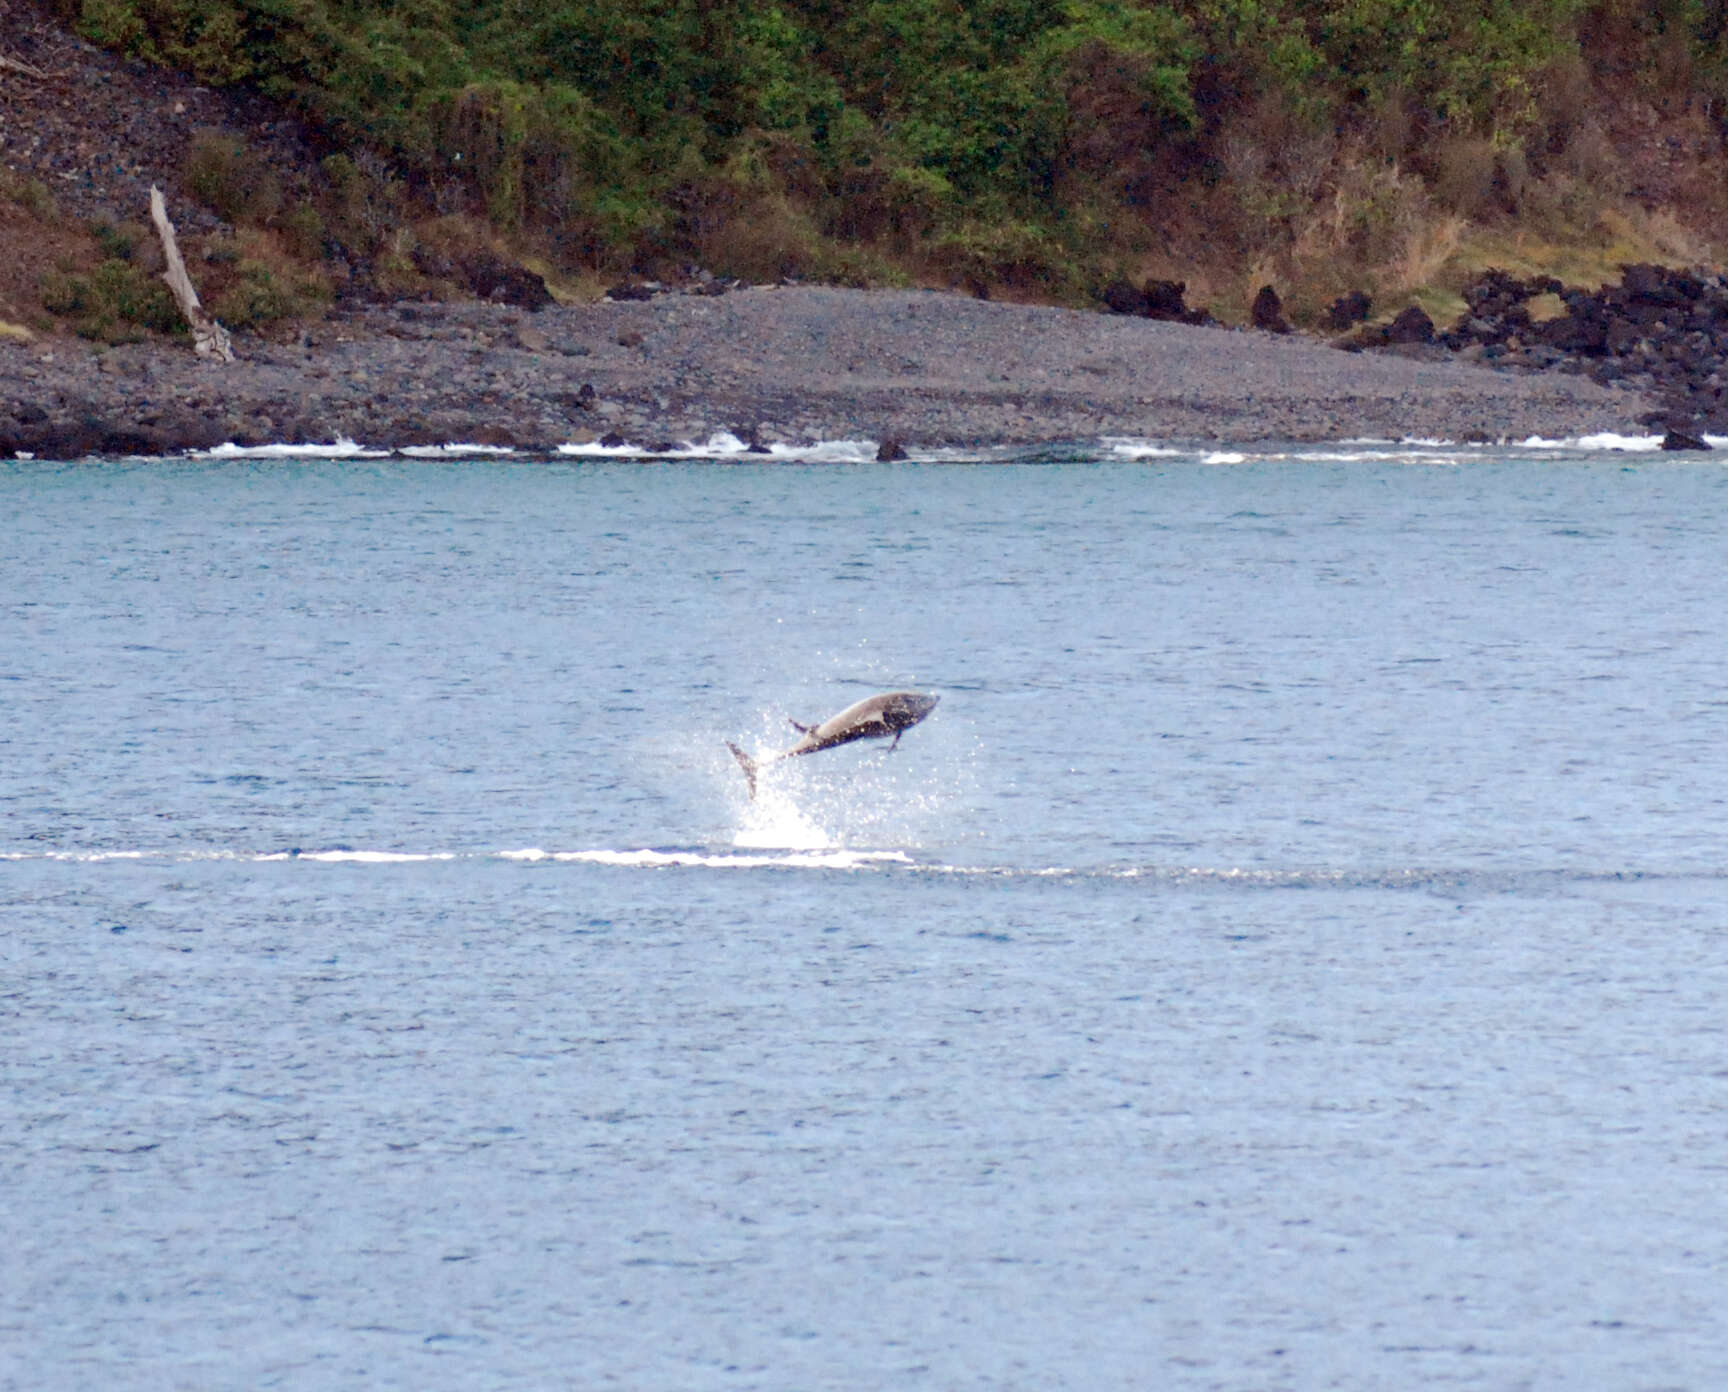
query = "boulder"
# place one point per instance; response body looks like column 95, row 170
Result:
column 1267, row 314
column 503, row 282
column 1168, row 300
column 1411, row 326
column 1348, row 310
column 1681, row 440
column 1120, row 297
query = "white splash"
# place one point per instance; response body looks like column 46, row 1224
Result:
column 454, row 450
column 723, row 445
column 832, row 859
column 774, row 821
column 1611, row 442
column 1132, row 447
column 339, row 448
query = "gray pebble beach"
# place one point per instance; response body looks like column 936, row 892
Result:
column 785, row 364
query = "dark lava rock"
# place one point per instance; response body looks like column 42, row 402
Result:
column 890, row 450
column 1411, row 326
column 1164, row 300
column 631, row 290
column 1120, row 297
column 1347, row 310
column 1660, row 330
column 1160, row 299
column 1268, row 312
column 1681, row 440
column 435, row 265
column 1168, row 300
column 503, row 282
column 84, row 435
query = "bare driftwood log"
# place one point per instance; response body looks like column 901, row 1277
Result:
column 18, row 65
column 209, row 339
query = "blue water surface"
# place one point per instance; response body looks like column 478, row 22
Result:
column 1292, row 955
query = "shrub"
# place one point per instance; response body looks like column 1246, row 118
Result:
column 227, row 176
column 116, row 302
column 261, row 295
column 32, row 195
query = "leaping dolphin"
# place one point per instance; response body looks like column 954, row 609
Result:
column 875, row 717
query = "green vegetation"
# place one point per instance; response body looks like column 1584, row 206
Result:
column 114, row 302
column 1037, row 145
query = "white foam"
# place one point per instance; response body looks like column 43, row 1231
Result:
column 1609, row 441
column 78, row 857
column 823, row 860
column 725, row 445
column 1132, row 447
column 454, row 450
column 339, row 448
column 365, row 857
column 773, row 821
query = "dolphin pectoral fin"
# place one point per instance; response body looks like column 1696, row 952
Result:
column 801, row 729
column 896, row 744
column 746, row 763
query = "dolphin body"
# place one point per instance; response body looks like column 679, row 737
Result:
column 875, row 717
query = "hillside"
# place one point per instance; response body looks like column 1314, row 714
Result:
column 1020, row 149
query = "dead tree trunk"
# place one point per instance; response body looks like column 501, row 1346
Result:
column 18, row 65
column 209, row 339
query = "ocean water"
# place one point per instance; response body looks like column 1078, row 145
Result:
column 1294, row 954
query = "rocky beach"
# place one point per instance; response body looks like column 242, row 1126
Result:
column 770, row 364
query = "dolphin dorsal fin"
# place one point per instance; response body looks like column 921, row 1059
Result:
column 801, row 729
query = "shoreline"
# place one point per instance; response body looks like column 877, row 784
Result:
column 790, row 365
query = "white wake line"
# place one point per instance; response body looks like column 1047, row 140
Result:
column 1488, row 879
column 836, row 858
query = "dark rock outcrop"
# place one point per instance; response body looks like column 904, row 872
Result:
column 1411, row 326
column 1349, row 310
column 1267, row 313
column 1121, row 297
column 1660, row 330
column 1166, row 300
column 504, row 282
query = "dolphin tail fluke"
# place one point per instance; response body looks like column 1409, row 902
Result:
column 746, row 763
